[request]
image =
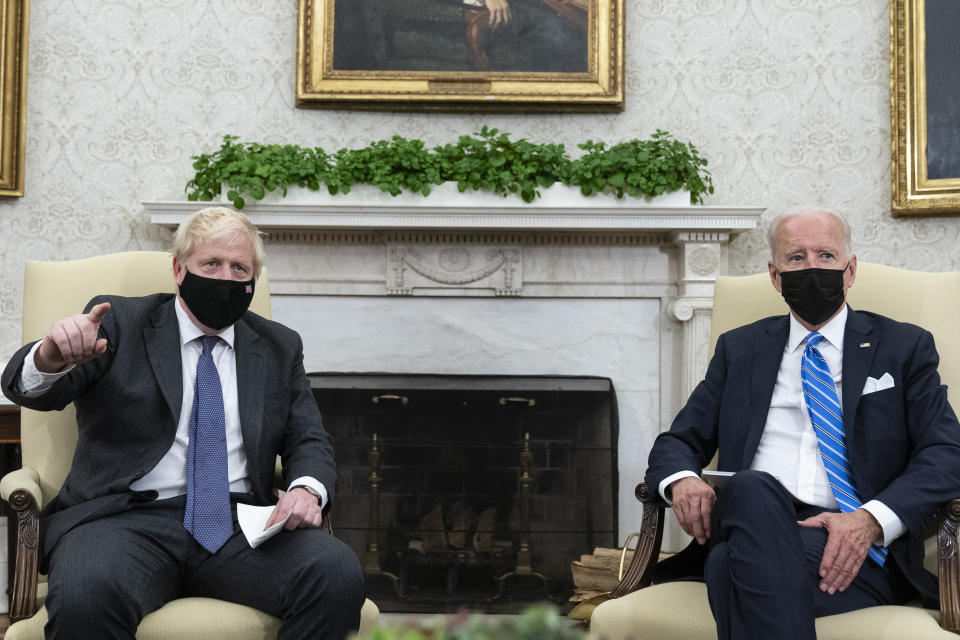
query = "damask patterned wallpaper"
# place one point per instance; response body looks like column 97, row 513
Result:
column 787, row 98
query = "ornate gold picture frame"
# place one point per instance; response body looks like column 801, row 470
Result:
column 924, row 108
column 14, row 23
column 461, row 55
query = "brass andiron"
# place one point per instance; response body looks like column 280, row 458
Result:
column 523, row 555
column 371, row 559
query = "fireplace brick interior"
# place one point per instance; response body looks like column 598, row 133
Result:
column 455, row 442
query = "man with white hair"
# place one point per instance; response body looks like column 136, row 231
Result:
column 842, row 442
column 183, row 404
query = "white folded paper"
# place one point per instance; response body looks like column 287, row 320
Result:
column 253, row 519
column 716, row 479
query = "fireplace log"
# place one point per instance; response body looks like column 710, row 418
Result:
column 483, row 537
column 431, row 530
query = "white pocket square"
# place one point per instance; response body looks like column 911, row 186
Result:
column 873, row 385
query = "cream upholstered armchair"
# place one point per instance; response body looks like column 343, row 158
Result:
column 54, row 290
column 679, row 610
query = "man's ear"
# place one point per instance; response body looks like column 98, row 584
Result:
column 774, row 276
column 179, row 271
column 851, row 275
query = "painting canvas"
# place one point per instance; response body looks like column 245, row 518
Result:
column 461, row 54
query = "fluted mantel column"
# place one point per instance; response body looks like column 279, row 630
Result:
column 703, row 257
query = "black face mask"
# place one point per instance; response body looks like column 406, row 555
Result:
column 813, row 294
column 216, row 303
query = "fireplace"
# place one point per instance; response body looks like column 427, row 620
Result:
column 491, row 287
column 471, row 490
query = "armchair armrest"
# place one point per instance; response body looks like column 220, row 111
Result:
column 21, row 489
column 638, row 574
column 21, row 479
column 949, row 566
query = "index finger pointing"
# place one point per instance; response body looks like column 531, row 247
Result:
column 97, row 313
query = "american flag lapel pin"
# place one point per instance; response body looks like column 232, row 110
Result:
column 864, row 345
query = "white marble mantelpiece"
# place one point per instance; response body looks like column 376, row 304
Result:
column 589, row 288
column 507, row 214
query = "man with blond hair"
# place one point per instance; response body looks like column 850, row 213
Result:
column 842, row 442
column 184, row 401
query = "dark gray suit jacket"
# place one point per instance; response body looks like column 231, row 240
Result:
column 903, row 442
column 128, row 403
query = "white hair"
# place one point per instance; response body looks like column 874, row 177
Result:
column 774, row 227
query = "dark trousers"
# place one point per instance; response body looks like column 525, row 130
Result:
column 762, row 572
column 106, row 575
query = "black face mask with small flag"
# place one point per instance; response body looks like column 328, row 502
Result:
column 216, row 303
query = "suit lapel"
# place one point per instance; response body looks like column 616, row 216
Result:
column 859, row 349
column 162, row 342
column 250, row 386
column 767, row 354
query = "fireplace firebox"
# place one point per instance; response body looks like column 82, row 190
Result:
column 471, row 490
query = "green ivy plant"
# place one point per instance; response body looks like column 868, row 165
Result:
column 488, row 160
column 396, row 165
column 491, row 161
column 252, row 169
column 642, row 167
column 534, row 623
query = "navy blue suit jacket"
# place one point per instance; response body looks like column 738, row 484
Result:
column 903, row 442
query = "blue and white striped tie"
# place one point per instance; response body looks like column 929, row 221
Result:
column 823, row 407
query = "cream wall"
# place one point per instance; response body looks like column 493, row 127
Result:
column 787, row 98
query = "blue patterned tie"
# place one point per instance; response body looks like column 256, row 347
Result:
column 207, row 515
column 823, row 407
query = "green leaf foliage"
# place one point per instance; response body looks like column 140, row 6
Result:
column 642, row 167
column 534, row 623
column 488, row 160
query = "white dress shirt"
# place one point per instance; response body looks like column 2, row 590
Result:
column 788, row 449
column 169, row 477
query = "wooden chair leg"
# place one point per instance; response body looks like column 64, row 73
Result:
column 23, row 601
column 949, row 570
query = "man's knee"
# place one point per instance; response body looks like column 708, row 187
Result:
column 749, row 493
column 103, row 578
column 87, row 596
column 335, row 571
column 751, row 481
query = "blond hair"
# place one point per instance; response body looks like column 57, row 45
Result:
column 216, row 222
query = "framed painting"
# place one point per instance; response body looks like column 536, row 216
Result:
column 924, row 107
column 14, row 22
column 461, row 55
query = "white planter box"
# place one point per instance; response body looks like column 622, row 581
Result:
column 446, row 196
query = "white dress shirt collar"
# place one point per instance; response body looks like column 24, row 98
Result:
column 190, row 332
column 832, row 332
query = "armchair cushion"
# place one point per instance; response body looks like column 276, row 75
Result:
column 207, row 619
column 680, row 610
